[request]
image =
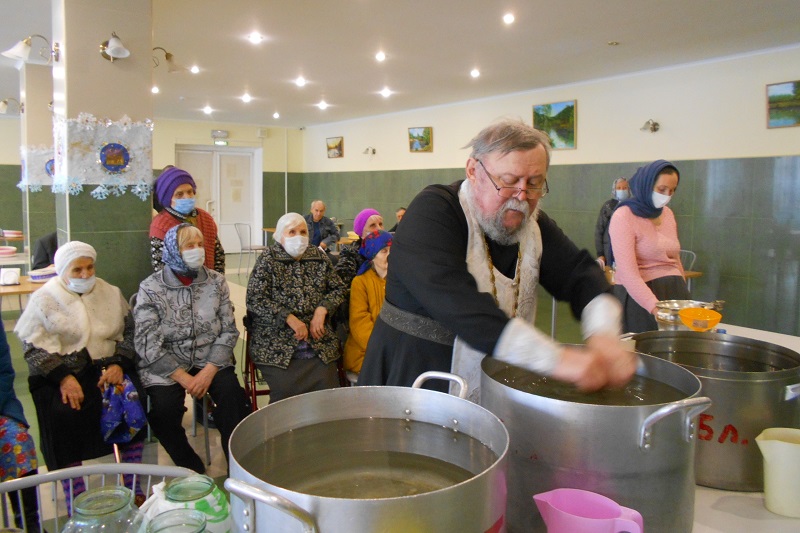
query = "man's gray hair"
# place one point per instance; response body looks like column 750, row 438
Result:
column 506, row 136
column 315, row 201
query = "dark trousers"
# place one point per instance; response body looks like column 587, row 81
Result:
column 167, row 408
column 29, row 508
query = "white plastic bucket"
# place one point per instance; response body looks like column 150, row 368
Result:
column 781, row 450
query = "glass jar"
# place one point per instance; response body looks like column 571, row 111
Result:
column 200, row 493
column 109, row 509
column 178, row 521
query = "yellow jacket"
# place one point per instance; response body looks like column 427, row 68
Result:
column 366, row 299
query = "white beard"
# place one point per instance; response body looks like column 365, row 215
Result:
column 492, row 225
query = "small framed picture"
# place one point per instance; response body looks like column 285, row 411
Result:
column 783, row 104
column 559, row 121
column 420, row 139
column 335, row 147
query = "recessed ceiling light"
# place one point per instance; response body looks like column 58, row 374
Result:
column 300, row 81
column 255, row 37
column 386, row 92
column 508, row 18
column 276, row 115
column 246, row 98
column 207, row 110
column 323, row 105
column 380, row 56
column 154, row 90
column 195, row 69
column 475, row 73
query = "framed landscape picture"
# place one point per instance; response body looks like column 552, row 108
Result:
column 559, row 121
column 420, row 139
column 783, row 104
column 335, row 147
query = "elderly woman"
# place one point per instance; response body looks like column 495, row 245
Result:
column 185, row 335
column 77, row 338
column 367, row 293
column 602, row 242
column 292, row 291
column 350, row 260
column 644, row 237
column 175, row 190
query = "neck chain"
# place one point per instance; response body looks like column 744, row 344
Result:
column 515, row 283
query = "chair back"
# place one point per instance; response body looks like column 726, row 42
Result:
column 688, row 258
column 243, row 232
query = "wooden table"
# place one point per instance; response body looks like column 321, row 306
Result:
column 687, row 275
column 26, row 286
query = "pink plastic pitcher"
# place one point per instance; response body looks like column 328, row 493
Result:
column 581, row 511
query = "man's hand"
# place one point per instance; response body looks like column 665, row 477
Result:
column 202, row 381
column 298, row 326
column 71, row 392
column 604, row 363
column 318, row 322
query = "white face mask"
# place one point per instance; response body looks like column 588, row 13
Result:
column 660, row 200
column 194, row 257
column 81, row 285
column 622, row 194
column 295, row 246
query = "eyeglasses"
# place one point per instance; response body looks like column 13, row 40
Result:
column 510, row 192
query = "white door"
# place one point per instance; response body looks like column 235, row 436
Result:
column 228, row 187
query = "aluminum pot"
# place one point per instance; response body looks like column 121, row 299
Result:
column 640, row 456
column 475, row 505
column 754, row 385
column 668, row 314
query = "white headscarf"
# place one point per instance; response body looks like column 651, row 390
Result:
column 69, row 252
column 287, row 221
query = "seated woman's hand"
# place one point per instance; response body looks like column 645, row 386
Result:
column 318, row 323
column 112, row 375
column 202, row 381
column 298, row 326
column 71, row 392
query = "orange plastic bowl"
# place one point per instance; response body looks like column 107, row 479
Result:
column 699, row 318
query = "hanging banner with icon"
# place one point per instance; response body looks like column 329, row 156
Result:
column 36, row 160
column 114, row 155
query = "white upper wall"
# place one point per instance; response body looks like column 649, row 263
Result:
column 706, row 110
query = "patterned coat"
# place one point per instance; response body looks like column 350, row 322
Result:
column 280, row 286
column 183, row 326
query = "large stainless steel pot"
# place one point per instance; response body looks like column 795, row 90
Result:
column 640, row 456
column 475, row 505
column 754, row 385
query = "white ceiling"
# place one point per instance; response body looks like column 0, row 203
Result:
column 431, row 46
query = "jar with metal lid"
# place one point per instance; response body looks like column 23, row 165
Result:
column 109, row 509
column 178, row 521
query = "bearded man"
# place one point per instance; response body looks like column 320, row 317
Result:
column 463, row 274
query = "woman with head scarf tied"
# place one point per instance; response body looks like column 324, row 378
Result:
column 367, row 293
column 350, row 260
column 185, row 335
column 175, row 191
column 644, row 236
column 292, row 291
column 602, row 242
column 77, row 336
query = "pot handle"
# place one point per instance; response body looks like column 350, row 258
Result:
column 250, row 494
column 692, row 406
column 434, row 374
column 792, row 392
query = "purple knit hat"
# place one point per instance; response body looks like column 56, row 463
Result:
column 361, row 220
column 168, row 181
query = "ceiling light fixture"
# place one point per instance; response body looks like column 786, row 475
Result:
column 172, row 66
column 475, row 73
column 386, row 92
column 276, row 115
column 508, row 18
column 4, row 105
column 113, row 48
column 323, row 105
column 255, row 37
column 155, row 89
column 22, row 50
column 380, row 57
column 195, row 69
column 369, row 150
column 207, row 110
column 246, row 98
column 651, row 125
column 300, row 81
column 613, row 43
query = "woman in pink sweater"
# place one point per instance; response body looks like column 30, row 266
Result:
column 644, row 237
